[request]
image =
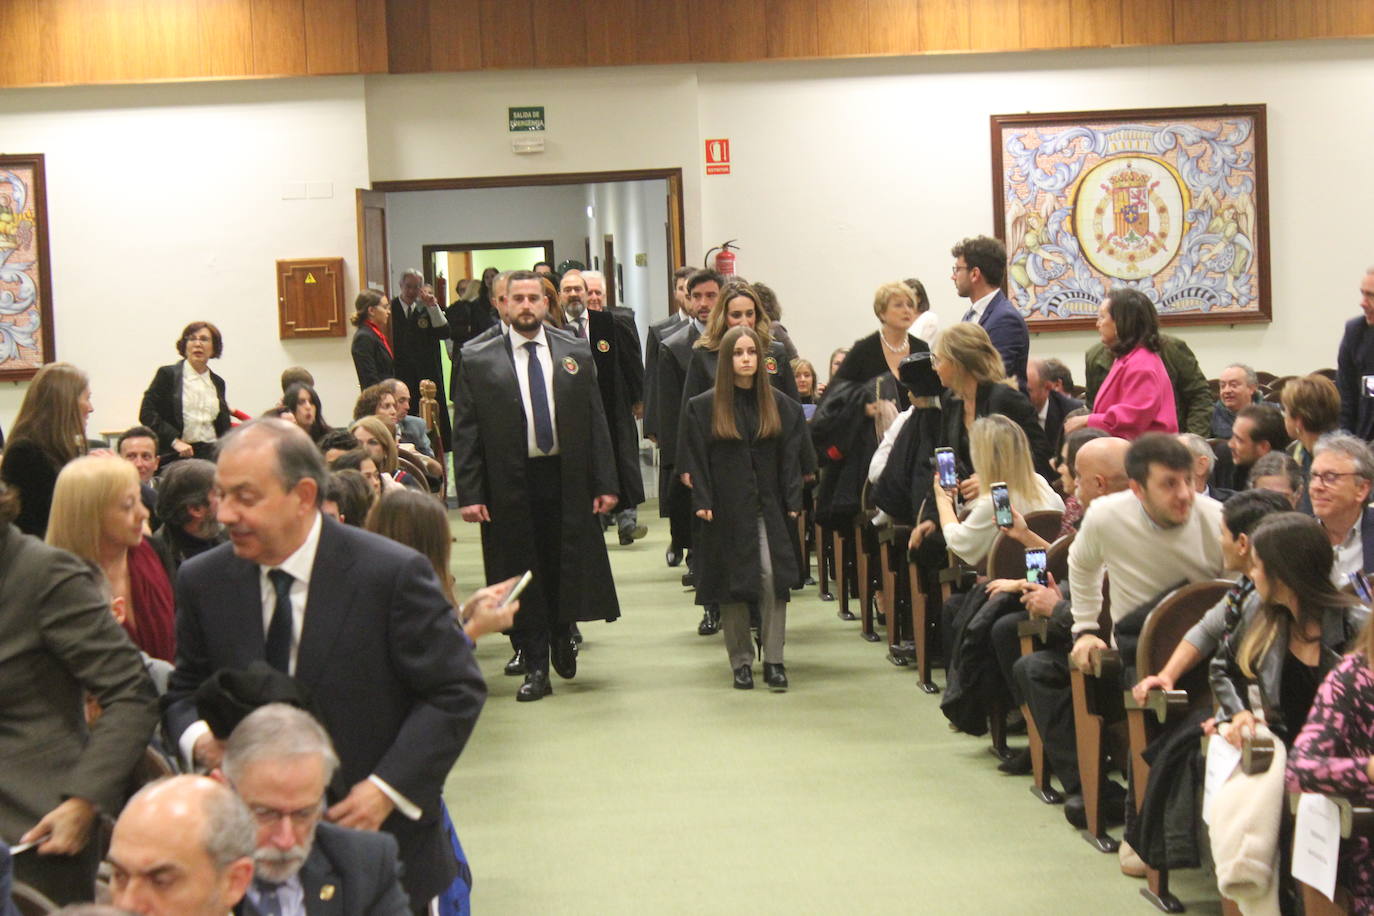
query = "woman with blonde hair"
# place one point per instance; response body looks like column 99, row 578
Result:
column 380, row 445
column 738, row 304
column 97, row 514
column 1001, row 454
column 49, row 431
column 977, row 385
column 742, row 443
column 805, row 375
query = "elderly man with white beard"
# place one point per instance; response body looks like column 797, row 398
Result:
column 279, row 760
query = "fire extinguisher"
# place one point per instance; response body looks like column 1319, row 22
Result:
column 725, row 261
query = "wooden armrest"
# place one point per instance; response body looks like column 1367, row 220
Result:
column 1256, row 753
column 1159, row 701
column 1036, row 628
column 1102, row 663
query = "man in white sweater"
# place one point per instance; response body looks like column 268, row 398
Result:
column 1159, row 534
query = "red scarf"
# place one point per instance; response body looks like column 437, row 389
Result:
column 378, row 331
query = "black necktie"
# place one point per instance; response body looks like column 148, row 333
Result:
column 279, row 631
column 582, row 328
column 970, row 315
column 539, row 401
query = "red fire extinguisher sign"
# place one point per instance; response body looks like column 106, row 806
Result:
column 718, row 157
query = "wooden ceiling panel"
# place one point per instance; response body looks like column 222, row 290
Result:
column 408, row 36
column 331, row 36
column 454, row 39
column 944, row 25
column 791, row 28
column 1147, row 22
column 278, row 37
column 744, row 39
column 994, row 25
column 507, row 34
column 1095, row 23
column 372, row 50
column 22, row 62
column 1046, row 24
column 560, row 33
column 842, row 28
column 660, row 33
column 225, row 40
column 893, row 26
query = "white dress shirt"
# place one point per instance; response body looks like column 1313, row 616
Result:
column 927, row 326
column 521, row 358
column 981, row 306
column 1349, row 556
column 199, row 405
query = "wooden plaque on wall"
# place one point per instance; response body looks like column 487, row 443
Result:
column 310, row 298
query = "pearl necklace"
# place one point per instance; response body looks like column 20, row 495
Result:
column 906, row 344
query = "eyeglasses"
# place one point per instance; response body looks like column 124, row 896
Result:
column 200, row 338
column 1330, row 478
column 959, row 267
column 300, row 819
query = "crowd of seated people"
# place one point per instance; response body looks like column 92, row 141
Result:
column 1153, row 483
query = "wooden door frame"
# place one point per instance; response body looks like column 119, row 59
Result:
column 677, row 223
column 429, row 251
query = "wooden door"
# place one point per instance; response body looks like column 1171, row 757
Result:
column 372, row 253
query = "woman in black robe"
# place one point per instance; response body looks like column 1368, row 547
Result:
column 742, row 442
column 738, row 304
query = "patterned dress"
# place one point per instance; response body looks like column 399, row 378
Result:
column 1331, row 757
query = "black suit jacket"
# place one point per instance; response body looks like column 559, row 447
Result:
column 390, row 675
column 161, row 408
column 1060, row 406
column 674, row 357
column 372, row 359
column 415, row 343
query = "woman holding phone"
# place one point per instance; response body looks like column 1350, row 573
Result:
column 742, row 442
column 1002, row 462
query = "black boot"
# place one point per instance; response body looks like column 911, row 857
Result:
column 710, row 621
column 775, row 676
column 516, row 665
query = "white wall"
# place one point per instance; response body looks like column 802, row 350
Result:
column 418, row 218
column 635, row 214
column 165, row 206
column 850, row 173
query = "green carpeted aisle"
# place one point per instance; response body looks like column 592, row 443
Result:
column 649, row 785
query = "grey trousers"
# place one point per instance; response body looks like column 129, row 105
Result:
column 734, row 618
column 627, row 520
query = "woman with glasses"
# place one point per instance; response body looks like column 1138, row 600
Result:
column 185, row 403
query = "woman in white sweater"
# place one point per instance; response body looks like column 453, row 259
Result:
column 1000, row 453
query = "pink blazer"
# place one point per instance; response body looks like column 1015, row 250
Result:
column 1136, row 398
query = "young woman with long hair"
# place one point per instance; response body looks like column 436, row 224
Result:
column 742, row 445
column 1299, row 631
column 49, row 431
column 739, row 304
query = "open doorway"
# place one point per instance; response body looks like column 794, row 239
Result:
column 457, row 262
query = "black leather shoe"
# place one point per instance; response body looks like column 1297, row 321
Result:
column 563, row 655
column 1019, row 764
column 536, row 687
column 844, row 614
column 1113, row 804
column 576, row 635
column 775, row 676
column 516, row 665
column 688, row 580
column 673, row 555
column 710, row 621
column 744, row 678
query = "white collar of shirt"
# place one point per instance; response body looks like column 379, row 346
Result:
column 189, row 371
column 300, row 565
column 518, row 340
column 700, row 326
column 1044, row 412
column 982, row 304
column 290, row 896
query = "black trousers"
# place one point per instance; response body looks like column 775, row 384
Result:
column 1006, row 646
column 544, row 479
column 680, row 515
column 1042, row 678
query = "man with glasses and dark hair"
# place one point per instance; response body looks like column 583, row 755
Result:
column 980, row 266
column 1342, row 475
column 279, row 761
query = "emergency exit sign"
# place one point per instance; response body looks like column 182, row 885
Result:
column 529, row 118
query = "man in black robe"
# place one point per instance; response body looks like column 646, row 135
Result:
column 534, row 465
column 674, row 356
column 417, row 326
column 621, row 378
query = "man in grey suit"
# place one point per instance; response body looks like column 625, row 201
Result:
column 279, row 761
column 58, row 642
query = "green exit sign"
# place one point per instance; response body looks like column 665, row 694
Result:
column 530, row 117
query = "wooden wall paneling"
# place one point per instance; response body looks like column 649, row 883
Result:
column 1207, row 21
column 1046, row 23
column 455, row 35
column 944, row 25
column 994, row 25
column 893, row 26
column 1147, row 22
column 560, row 33
column 842, row 28
column 408, row 36
column 331, row 36
column 610, row 31
column 661, row 33
column 507, row 31
column 1352, row 17
column 278, row 37
column 372, row 50
column 225, row 41
column 22, row 62
column 170, row 41
column 745, row 37
column 1259, row 19
column 1095, row 23
column 791, row 26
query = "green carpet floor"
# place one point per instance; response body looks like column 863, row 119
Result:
column 649, row 785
